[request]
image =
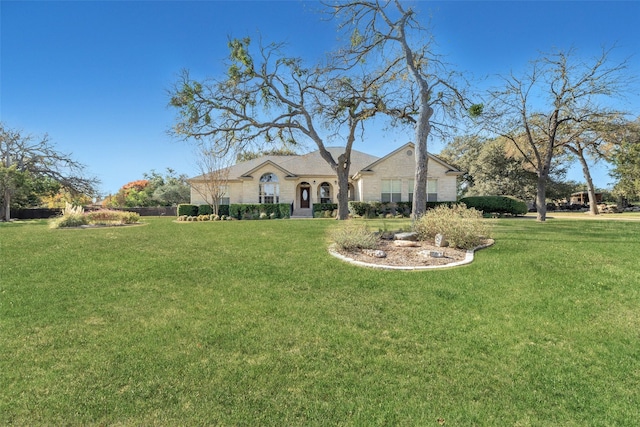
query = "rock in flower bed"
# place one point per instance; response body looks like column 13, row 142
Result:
column 444, row 235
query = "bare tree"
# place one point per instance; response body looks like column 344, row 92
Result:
column 383, row 29
column 278, row 99
column 549, row 108
column 214, row 175
column 24, row 158
column 594, row 141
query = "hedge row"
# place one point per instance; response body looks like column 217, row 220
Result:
column 376, row 209
column 322, row 207
column 194, row 210
column 496, row 204
column 487, row 204
column 272, row 210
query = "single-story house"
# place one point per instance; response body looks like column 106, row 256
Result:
column 582, row 198
column 307, row 179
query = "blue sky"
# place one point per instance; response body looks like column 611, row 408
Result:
column 94, row 75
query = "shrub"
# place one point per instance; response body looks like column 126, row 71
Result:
column 205, row 210
column 376, row 209
column 323, row 207
column 496, row 204
column 358, row 208
column 188, row 210
column 354, row 236
column 72, row 216
column 223, row 210
column 462, row 227
column 404, row 208
column 111, row 217
column 69, row 220
column 253, row 211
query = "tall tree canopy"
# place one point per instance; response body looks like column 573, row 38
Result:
column 626, row 161
column 592, row 142
column 426, row 94
column 27, row 162
column 495, row 167
column 553, row 105
column 267, row 96
column 155, row 189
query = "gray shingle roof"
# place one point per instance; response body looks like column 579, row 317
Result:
column 305, row 164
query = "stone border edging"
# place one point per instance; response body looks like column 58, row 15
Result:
column 467, row 260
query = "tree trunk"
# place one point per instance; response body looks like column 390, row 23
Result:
column 423, row 128
column 541, row 198
column 593, row 204
column 342, row 171
column 6, row 205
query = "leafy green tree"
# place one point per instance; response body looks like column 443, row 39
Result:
column 560, row 189
column 498, row 172
column 246, row 155
column 154, row 190
column 626, row 162
column 169, row 189
column 31, row 167
column 462, row 152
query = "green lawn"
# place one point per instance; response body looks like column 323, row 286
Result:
column 254, row 323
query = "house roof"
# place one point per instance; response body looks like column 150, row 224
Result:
column 302, row 165
column 312, row 164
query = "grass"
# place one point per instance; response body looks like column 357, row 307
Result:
column 253, row 323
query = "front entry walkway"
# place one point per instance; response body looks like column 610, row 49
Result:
column 302, row 213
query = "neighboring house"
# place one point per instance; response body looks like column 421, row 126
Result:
column 307, row 179
column 582, row 198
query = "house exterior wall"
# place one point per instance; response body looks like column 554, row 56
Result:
column 447, row 184
column 250, row 186
column 398, row 165
column 401, row 166
column 234, row 192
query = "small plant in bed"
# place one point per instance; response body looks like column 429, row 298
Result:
column 462, row 227
column 354, row 236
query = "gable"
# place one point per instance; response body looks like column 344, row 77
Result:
column 268, row 166
column 401, row 162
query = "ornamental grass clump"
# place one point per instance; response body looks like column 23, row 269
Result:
column 72, row 216
column 462, row 227
column 354, row 236
column 111, row 217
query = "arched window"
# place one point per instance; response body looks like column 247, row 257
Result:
column 269, row 189
column 325, row 192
